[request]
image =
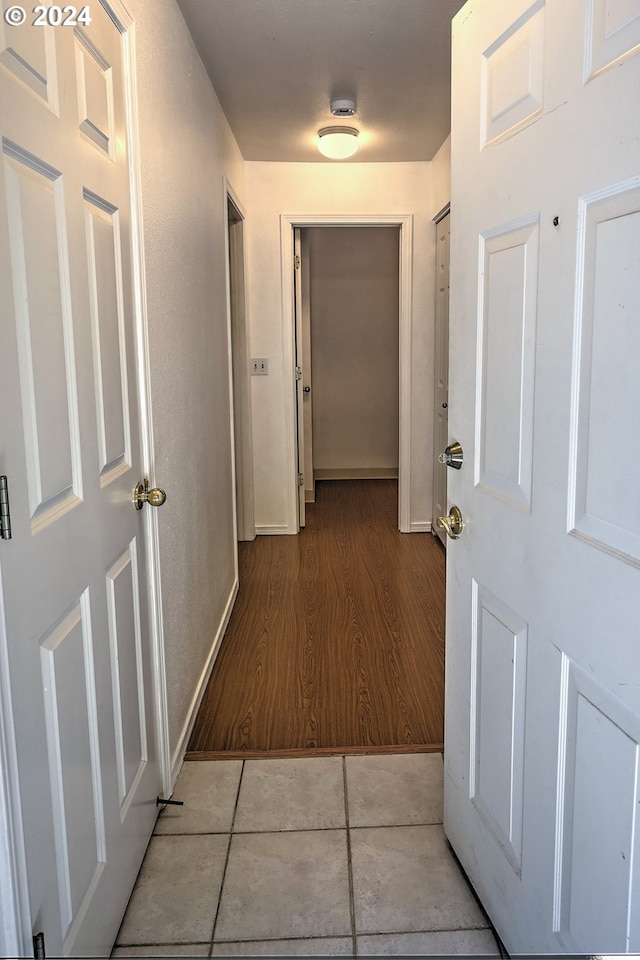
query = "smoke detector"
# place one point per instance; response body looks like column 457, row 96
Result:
column 343, row 108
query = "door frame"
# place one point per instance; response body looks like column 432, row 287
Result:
column 405, row 297
column 440, row 329
column 239, row 383
column 15, row 918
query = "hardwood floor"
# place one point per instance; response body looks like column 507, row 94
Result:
column 336, row 641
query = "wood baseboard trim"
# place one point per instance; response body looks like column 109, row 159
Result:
column 314, row 752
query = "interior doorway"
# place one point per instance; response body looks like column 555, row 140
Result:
column 403, row 225
column 347, row 354
column 239, row 361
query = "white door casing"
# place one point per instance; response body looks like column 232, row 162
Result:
column 239, row 367
column 78, row 701
column 542, row 726
column 441, row 377
column 307, row 371
column 301, row 437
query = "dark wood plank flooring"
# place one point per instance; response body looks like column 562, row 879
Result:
column 336, row 640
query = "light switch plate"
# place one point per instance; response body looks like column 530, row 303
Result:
column 259, row 367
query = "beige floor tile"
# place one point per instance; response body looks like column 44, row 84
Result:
column 395, row 790
column 284, row 885
column 296, row 794
column 465, row 943
column 176, row 894
column 164, row 950
column 405, row 879
column 209, row 790
column 319, row 947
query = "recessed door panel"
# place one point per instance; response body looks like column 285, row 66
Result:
column 95, row 94
column 613, row 33
column 127, row 669
column 28, row 54
column 598, row 825
column 512, row 76
column 104, row 258
column 44, row 327
column 74, row 757
column 605, row 505
column 498, row 689
column 506, row 360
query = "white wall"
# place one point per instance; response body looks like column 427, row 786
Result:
column 186, row 148
column 307, row 190
column 441, row 177
column 354, row 287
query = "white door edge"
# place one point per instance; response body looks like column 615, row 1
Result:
column 15, row 922
column 154, row 585
column 405, row 222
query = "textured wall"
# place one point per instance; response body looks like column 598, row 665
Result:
column 441, row 177
column 351, row 189
column 186, row 148
column 354, row 347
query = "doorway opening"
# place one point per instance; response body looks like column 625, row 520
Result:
column 239, row 363
column 346, row 292
column 294, row 396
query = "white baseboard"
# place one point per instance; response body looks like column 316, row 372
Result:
column 425, row 527
column 356, row 473
column 275, row 529
column 183, row 740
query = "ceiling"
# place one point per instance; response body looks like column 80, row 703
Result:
column 277, row 64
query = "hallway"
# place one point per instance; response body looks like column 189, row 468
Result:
column 329, row 856
column 336, row 641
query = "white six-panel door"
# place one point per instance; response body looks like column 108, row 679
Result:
column 543, row 662
column 74, row 573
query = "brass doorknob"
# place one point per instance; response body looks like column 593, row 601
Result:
column 142, row 494
column 453, row 524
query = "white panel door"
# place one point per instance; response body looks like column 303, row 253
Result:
column 74, row 573
column 542, row 725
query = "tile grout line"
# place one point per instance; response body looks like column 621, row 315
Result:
column 226, row 862
column 352, row 908
column 255, row 833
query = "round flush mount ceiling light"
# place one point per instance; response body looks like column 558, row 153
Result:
column 338, row 143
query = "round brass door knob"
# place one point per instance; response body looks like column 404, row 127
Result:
column 143, row 493
column 453, row 524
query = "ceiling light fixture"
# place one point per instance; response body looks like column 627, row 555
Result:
column 338, row 143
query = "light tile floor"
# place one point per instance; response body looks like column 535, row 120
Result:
column 331, row 856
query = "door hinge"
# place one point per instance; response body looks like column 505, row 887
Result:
column 5, row 510
column 298, row 373
column 301, row 479
column 38, row 947
column 296, row 262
